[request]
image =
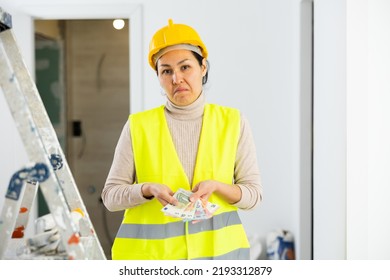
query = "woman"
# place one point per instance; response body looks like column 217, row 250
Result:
column 204, row 148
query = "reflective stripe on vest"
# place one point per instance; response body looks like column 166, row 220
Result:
column 146, row 233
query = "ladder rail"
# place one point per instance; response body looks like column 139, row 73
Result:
column 8, row 220
column 35, row 149
column 42, row 146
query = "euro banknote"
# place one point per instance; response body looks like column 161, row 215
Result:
column 187, row 210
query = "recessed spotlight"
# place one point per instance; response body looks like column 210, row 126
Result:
column 118, row 24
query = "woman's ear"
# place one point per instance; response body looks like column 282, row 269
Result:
column 204, row 67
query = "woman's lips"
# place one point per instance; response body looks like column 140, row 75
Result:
column 180, row 89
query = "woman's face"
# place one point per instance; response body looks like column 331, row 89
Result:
column 180, row 76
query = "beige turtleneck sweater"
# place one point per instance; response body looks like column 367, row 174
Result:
column 120, row 191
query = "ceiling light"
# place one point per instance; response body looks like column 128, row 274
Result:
column 118, row 24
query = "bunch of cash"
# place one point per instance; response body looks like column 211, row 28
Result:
column 187, row 210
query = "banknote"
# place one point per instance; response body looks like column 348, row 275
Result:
column 187, row 210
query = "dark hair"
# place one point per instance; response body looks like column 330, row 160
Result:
column 199, row 58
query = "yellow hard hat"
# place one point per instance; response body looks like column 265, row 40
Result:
column 174, row 34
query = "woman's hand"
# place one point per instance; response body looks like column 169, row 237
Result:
column 203, row 190
column 159, row 191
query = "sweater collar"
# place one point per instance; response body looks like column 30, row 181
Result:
column 192, row 111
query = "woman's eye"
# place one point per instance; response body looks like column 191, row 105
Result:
column 185, row 67
column 166, row 72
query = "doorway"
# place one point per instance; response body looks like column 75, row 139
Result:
column 94, row 76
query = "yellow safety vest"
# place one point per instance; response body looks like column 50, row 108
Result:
column 145, row 232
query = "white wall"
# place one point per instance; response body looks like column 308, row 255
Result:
column 368, row 154
column 378, row 91
column 329, row 197
column 254, row 56
column 357, row 114
column 352, row 132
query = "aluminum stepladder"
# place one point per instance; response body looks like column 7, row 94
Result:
column 49, row 169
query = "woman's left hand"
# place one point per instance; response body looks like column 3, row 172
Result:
column 203, row 190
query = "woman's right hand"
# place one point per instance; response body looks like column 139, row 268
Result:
column 159, row 191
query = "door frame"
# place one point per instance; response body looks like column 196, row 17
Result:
column 132, row 12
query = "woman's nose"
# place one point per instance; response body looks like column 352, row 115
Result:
column 177, row 78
